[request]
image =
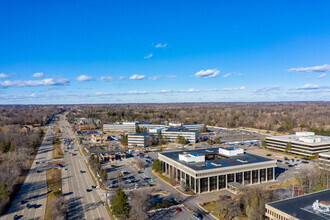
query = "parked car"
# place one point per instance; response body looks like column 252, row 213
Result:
column 197, row 216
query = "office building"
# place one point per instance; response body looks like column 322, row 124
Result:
column 314, row 206
column 171, row 134
column 324, row 161
column 205, row 170
column 302, row 143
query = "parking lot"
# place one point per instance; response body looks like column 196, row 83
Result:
column 130, row 176
column 183, row 214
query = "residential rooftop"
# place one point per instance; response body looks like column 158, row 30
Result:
column 301, row 207
column 235, row 158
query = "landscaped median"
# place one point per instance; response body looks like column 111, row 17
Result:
column 55, row 206
column 57, row 152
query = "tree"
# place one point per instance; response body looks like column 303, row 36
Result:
column 119, row 204
column 157, row 166
column 181, row 140
column 217, row 140
column 104, row 175
column 4, row 193
column 264, row 143
column 288, row 147
column 209, row 141
column 124, row 140
column 204, row 128
column 137, row 129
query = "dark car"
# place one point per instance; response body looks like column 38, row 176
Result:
column 268, row 155
column 23, row 202
column 93, row 187
column 89, row 190
column 28, row 205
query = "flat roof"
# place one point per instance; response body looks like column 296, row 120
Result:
column 241, row 159
column 301, row 207
column 177, row 129
column 295, row 138
column 145, row 133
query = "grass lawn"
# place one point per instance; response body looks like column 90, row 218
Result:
column 54, row 183
column 285, row 185
column 213, row 208
column 57, row 152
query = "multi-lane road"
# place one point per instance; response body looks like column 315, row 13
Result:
column 34, row 189
column 81, row 204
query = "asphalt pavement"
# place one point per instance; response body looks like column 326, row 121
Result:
column 81, row 204
column 34, row 189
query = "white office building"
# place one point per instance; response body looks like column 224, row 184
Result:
column 302, row 143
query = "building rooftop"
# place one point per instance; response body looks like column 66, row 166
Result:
column 303, row 138
column 177, row 129
column 145, row 133
column 301, row 207
column 217, row 161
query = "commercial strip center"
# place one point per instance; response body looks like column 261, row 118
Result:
column 205, row 170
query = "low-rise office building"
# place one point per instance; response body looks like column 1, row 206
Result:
column 112, row 156
column 315, row 206
column 324, row 161
column 139, row 139
column 99, row 138
column 171, row 134
column 211, row 169
column 120, row 127
column 130, row 126
column 302, row 143
column 194, row 127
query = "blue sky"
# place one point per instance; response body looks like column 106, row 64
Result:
column 163, row 51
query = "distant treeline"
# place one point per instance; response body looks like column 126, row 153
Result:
column 282, row 116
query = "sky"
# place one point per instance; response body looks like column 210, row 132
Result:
column 80, row 52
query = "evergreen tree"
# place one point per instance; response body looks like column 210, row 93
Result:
column 119, row 204
column 157, row 166
column 217, row 140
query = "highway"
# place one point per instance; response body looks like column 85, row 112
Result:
column 34, row 188
column 81, row 204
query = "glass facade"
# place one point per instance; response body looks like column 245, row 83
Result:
column 255, row 176
column 204, row 184
column 230, row 178
column 213, row 183
column 222, row 181
column 239, row 178
column 247, row 178
column 262, row 175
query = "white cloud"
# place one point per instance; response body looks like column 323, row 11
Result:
column 137, row 77
column 234, row 89
column 43, row 82
column 148, row 56
column 154, row 78
column 322, row 75
column 38, row 75
column 260, row 90
column 121, row 78
column 160, row 45
column 4, row 76
column 324, row 68
column 83, row 78
column 308, row 86
column 193, row 90
column 171, row 76
column 210, row 73
column 107, row 78
column 226, row 75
